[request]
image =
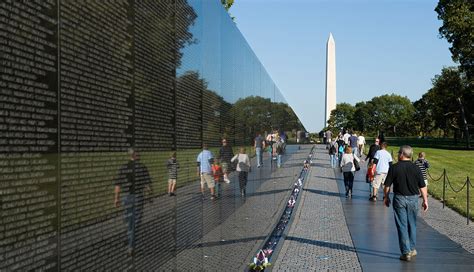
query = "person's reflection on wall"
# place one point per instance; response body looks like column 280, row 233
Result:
column 130, row 185
column 225, row 155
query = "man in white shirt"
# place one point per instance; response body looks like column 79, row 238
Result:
column 383, row 160
column 361, row 144
column 346, row 137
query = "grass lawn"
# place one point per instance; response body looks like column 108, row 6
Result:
column 458, row 164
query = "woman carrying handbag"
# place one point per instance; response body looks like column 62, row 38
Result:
column 349, row 164
column 243, row 168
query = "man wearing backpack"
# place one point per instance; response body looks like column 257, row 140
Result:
column 333, row 152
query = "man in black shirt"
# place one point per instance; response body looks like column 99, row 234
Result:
column 407, row 182
column 132, row 181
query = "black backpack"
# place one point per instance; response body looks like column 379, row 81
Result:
column 332, row 150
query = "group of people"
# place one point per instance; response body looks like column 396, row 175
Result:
column 345, row 150
column 133, row 179
column 277, row 145
column 407, row 177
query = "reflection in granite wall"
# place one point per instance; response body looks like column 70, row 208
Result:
column 82, row 82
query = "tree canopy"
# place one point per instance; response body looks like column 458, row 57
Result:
column 458, row 30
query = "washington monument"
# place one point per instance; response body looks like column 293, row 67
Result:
column 330, row 77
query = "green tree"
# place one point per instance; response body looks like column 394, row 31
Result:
column 442, row 99
column 423, row 116
column 392, row 114
column 227, row 4
column 458, row 29
column 341, row 117
column 362, row 116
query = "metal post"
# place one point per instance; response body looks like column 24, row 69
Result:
column 444, row 186
column 468, row 198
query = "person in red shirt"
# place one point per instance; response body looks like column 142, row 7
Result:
column 218, row 175
column 370, row 175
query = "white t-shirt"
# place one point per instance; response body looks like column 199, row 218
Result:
column 361, row 140
column 384, row 158
column 346, row 138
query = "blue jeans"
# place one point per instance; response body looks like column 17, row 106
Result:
column 133, row 211
column 258, row 152
column 279, row 160
column 333, row 160
column 355, row 151
column 406, row 209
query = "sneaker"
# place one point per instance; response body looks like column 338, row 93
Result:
column 227, row 180
column 405, row 257
column 413, row 253
column 213, row 197
column 170, row 194
column 373, row 199
column 173, row 194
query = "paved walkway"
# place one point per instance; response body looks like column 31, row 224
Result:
column 335, row 233
column 319, row 238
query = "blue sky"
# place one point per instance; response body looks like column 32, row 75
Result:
column 382, row 47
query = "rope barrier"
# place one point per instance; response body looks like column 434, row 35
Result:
column 433, row 179
column 456, row 191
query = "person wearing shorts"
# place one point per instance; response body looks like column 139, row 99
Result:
column 172, row 165
column 218, row 176
column 204, row 170
column 383, row 161
column 226, row 153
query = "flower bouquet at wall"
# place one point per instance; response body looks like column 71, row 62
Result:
column 260, row 262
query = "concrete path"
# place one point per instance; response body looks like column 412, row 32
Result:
column 335, row 233
column 373, row 231
column 319, row 239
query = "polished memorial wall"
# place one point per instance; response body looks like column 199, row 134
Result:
column 83, row 81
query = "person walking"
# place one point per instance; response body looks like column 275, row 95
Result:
column 383, row 161
column 346, row 137
column 407, row 182
column 172, row 165
column 259, row 145
column 423, row 164
column 328, row 138
column 279, row 152
column 348, row 169
column 340, row 148
column 225, row 155
column 372, row 150
column 370, row 163
column 243, row 168
column 353, row 143
column 204, row 170
column 132, row 181
column 360, row 145
column 333, row 147
column 218, row 176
